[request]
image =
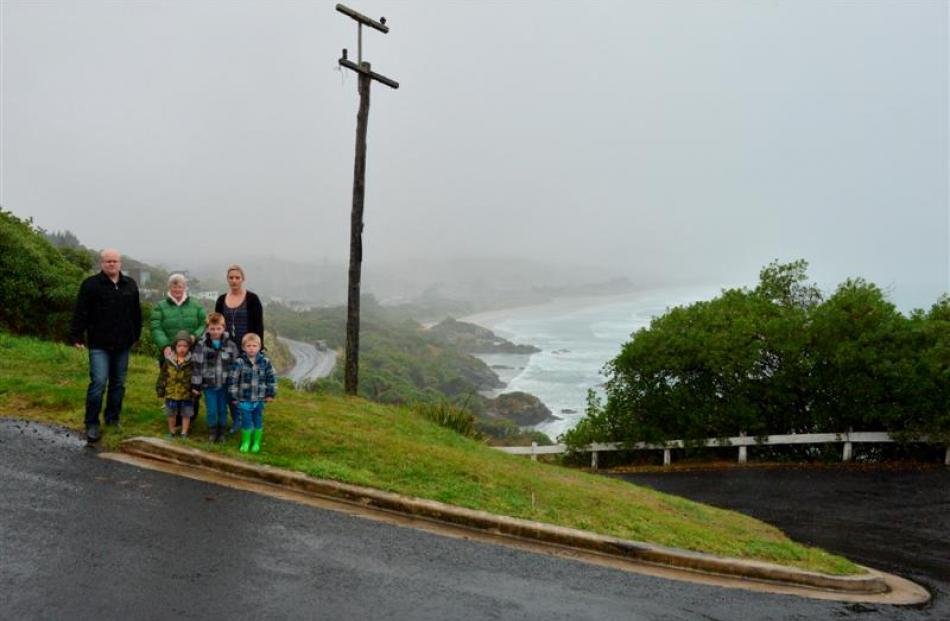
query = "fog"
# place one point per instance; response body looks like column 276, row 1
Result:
column 670, row 143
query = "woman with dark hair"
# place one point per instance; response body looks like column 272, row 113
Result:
column 243, row 314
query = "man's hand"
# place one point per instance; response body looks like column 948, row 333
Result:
column 195, row 392
column 79, row 345
column 268, row 399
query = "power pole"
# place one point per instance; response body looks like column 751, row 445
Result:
column 351, row 369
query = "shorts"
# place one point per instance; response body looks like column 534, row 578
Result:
column 184, row 408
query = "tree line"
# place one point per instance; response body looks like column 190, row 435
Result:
column 780, row 358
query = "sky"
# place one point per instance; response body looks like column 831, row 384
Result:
column 664, row 141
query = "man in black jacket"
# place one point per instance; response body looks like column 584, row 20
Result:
column 109, row 312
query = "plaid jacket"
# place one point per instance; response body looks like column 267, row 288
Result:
column 211, row 367
column 252, row 382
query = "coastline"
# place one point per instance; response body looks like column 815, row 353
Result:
column 491, row 318
column 577, row 336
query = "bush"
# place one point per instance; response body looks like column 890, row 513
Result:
column 450, row 415
column 39, row 283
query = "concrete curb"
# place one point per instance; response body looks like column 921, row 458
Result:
column 152, row 448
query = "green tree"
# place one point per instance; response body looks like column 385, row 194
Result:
column 862, row 371
column 39, row 284
column 778, row 359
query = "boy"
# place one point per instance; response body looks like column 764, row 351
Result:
column 174, row 385
column 252, row 382
column 211, row 365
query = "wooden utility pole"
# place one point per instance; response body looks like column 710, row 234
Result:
column 351, row 369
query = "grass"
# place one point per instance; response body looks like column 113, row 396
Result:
column 395, row 449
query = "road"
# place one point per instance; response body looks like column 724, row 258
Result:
column 88, row 538
column 311, row 363
column 896, row 519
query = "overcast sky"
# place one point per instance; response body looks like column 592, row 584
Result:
column 680, row 140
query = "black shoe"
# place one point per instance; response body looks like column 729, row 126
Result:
column 93, row 434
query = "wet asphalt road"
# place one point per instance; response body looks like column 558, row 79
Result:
column 895, row 519
column 310, row 363
column 87, row 538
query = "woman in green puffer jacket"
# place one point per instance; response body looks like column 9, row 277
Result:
column 175, row 313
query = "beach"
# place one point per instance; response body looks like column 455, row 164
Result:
column 577, row 336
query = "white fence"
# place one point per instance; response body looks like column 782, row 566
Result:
column 741, row 442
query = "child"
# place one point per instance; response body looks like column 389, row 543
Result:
column 252, row 382
column 212, row 359
column 174, row 384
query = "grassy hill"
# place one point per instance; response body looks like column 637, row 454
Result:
column 392, row 448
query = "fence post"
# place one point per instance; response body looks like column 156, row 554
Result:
column 743, row 454
column 846, row 453
column 666, row 457
column 593, row 460
column 534, row 447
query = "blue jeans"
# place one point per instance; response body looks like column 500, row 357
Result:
column 106, row 366
column 252, row 414
column 216, row 404
column 235, row 416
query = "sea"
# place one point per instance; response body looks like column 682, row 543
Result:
column 577, row 337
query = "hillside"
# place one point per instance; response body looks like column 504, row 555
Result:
column 395, row 449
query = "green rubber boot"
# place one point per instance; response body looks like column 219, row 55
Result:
column 245, row 440
column 256, row 447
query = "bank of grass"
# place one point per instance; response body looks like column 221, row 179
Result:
column 395, row 449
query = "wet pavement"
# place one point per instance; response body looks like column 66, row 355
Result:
column 84, row 538
column 896, row 518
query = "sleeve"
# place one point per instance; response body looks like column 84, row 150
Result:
column 270, row 379
column 200, row 328
column 80, row 321
column 219, row 304
column 234, row 378
column 162, row 379
column 136, row 315
column 255, row 315
column 158, row 332
column 197, row 363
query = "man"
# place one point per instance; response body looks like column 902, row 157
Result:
column 108, row 310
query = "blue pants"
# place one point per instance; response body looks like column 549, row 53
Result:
column 252, row 414
column 235, row 417
column 106, row 366
column 216, row 404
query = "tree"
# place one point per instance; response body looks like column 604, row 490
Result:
column 39, row 284
column 778, row 359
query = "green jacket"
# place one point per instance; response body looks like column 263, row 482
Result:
column 168, row 318
column 174, row 380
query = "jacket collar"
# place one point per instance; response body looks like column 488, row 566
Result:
column 105, row 278
column 225, row 337
column 184, row 299
column 257, row 358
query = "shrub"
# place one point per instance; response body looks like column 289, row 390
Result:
column 39, row 283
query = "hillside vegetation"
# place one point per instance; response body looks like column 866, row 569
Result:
column 402, row 363
column 394, row 448
column 778, row 359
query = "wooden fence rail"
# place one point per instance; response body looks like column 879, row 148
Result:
column 742, row 442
